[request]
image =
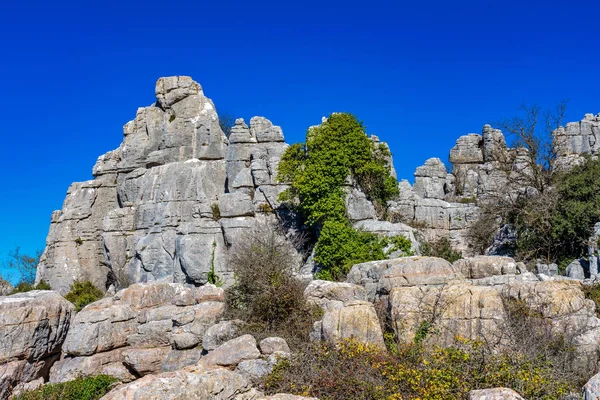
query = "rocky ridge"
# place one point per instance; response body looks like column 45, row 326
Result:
column 170, row 202
column 174, row 197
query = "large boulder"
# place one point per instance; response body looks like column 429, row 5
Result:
column 575, row 270
column 329, row 295
column 486, row 266
column 189, row 383
column 380, row 277
column 473, row 312
column 33, row 327
column 220, row 333
column 137, row 329
column 355, row 320
column 591, row 390
column 273, row 345
column 233, row 352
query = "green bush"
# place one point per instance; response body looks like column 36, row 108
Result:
column 216, row 211
column 83, row 293
column 441, row 248
column 89, row 388
column 213, row 278
column 317, row 172
column 340, row 247
column 27, row 287
column 318, row 169
column 592, row 292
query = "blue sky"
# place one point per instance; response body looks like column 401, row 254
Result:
column 419, row 74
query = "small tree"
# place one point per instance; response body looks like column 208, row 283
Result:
column 533, row 130
column 23, row 264
column 527, row 198
column 267, row 294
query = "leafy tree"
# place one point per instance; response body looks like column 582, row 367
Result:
column 318, row 169
column 556, row 226
column 532, row 129
column 317, row 172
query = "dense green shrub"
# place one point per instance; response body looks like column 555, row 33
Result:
column 318, row 169
column 340, row 247
column 27, row 287
column 441, row 248
column 89, row 388
column 354, row 370
column 83, row 293
column 267, row 294
column 317, row 172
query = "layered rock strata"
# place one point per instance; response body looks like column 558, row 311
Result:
column 170, row 202
column 33, row 327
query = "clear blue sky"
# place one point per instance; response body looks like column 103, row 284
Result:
column 419, row 74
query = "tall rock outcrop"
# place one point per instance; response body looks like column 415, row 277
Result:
column 170, row 200
column 174, row 197
column 576, row 139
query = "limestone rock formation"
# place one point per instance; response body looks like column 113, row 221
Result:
column 591, row 390
column 233, row 352
column 576, row 139
column 170, row 202
column 354, row 320
column 330, row 295
column 33, row 327
column 272, row 345
column 139, row 329
column 486, row 266
column 475, row 303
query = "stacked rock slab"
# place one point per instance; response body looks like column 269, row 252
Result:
column 33, row 327
column 144, row 329
column 170, row 200
column 441, row 204
column 576, row 139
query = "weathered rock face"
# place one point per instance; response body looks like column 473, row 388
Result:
column 33, row 327
column 441, row 203
column 576, row 139
column 189, row 383
column 473, row 299
column 354, row 320
column 330, row 295
column 486, row 266
column 380, row 277
column 170, row 202
column 233, row 352
column 5, row 287
column 140, row 330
